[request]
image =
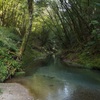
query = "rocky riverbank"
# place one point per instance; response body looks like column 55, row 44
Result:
column 14, row 91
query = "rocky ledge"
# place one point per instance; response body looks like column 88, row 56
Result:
column 14, row 91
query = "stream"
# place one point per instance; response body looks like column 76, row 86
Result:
column 55, row 81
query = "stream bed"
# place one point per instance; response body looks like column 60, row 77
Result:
column 55, row 81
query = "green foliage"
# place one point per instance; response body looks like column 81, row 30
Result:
column 9, row 43
column 14, row 13
column 94, row 42
column 8, row 38
column 75, row 23
column 89, row 61
column 84, row 58
column 57, row 25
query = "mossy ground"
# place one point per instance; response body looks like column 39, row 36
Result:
column 88, row 60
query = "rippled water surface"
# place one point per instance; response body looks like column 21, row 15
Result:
column 55, row 81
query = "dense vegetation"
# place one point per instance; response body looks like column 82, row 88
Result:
column 9, row 44
column 30, row 30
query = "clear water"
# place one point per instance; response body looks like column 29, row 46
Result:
column 55, row 81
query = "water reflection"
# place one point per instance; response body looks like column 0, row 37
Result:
column 46, row 88
column 56, row 82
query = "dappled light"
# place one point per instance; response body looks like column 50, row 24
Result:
column 52, row 47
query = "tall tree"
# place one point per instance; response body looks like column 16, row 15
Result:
column 26, row 36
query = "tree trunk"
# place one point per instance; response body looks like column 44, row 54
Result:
column 26, row 36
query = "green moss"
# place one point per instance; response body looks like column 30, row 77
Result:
column 90, row 61
column 87, row 60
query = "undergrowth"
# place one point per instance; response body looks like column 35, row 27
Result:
column 86, row 59
column 9, row 45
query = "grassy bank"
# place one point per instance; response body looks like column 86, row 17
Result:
column 84, row 59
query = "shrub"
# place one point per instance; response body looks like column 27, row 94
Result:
column 9, row 43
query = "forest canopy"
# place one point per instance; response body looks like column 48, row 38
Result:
column 30, row 29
